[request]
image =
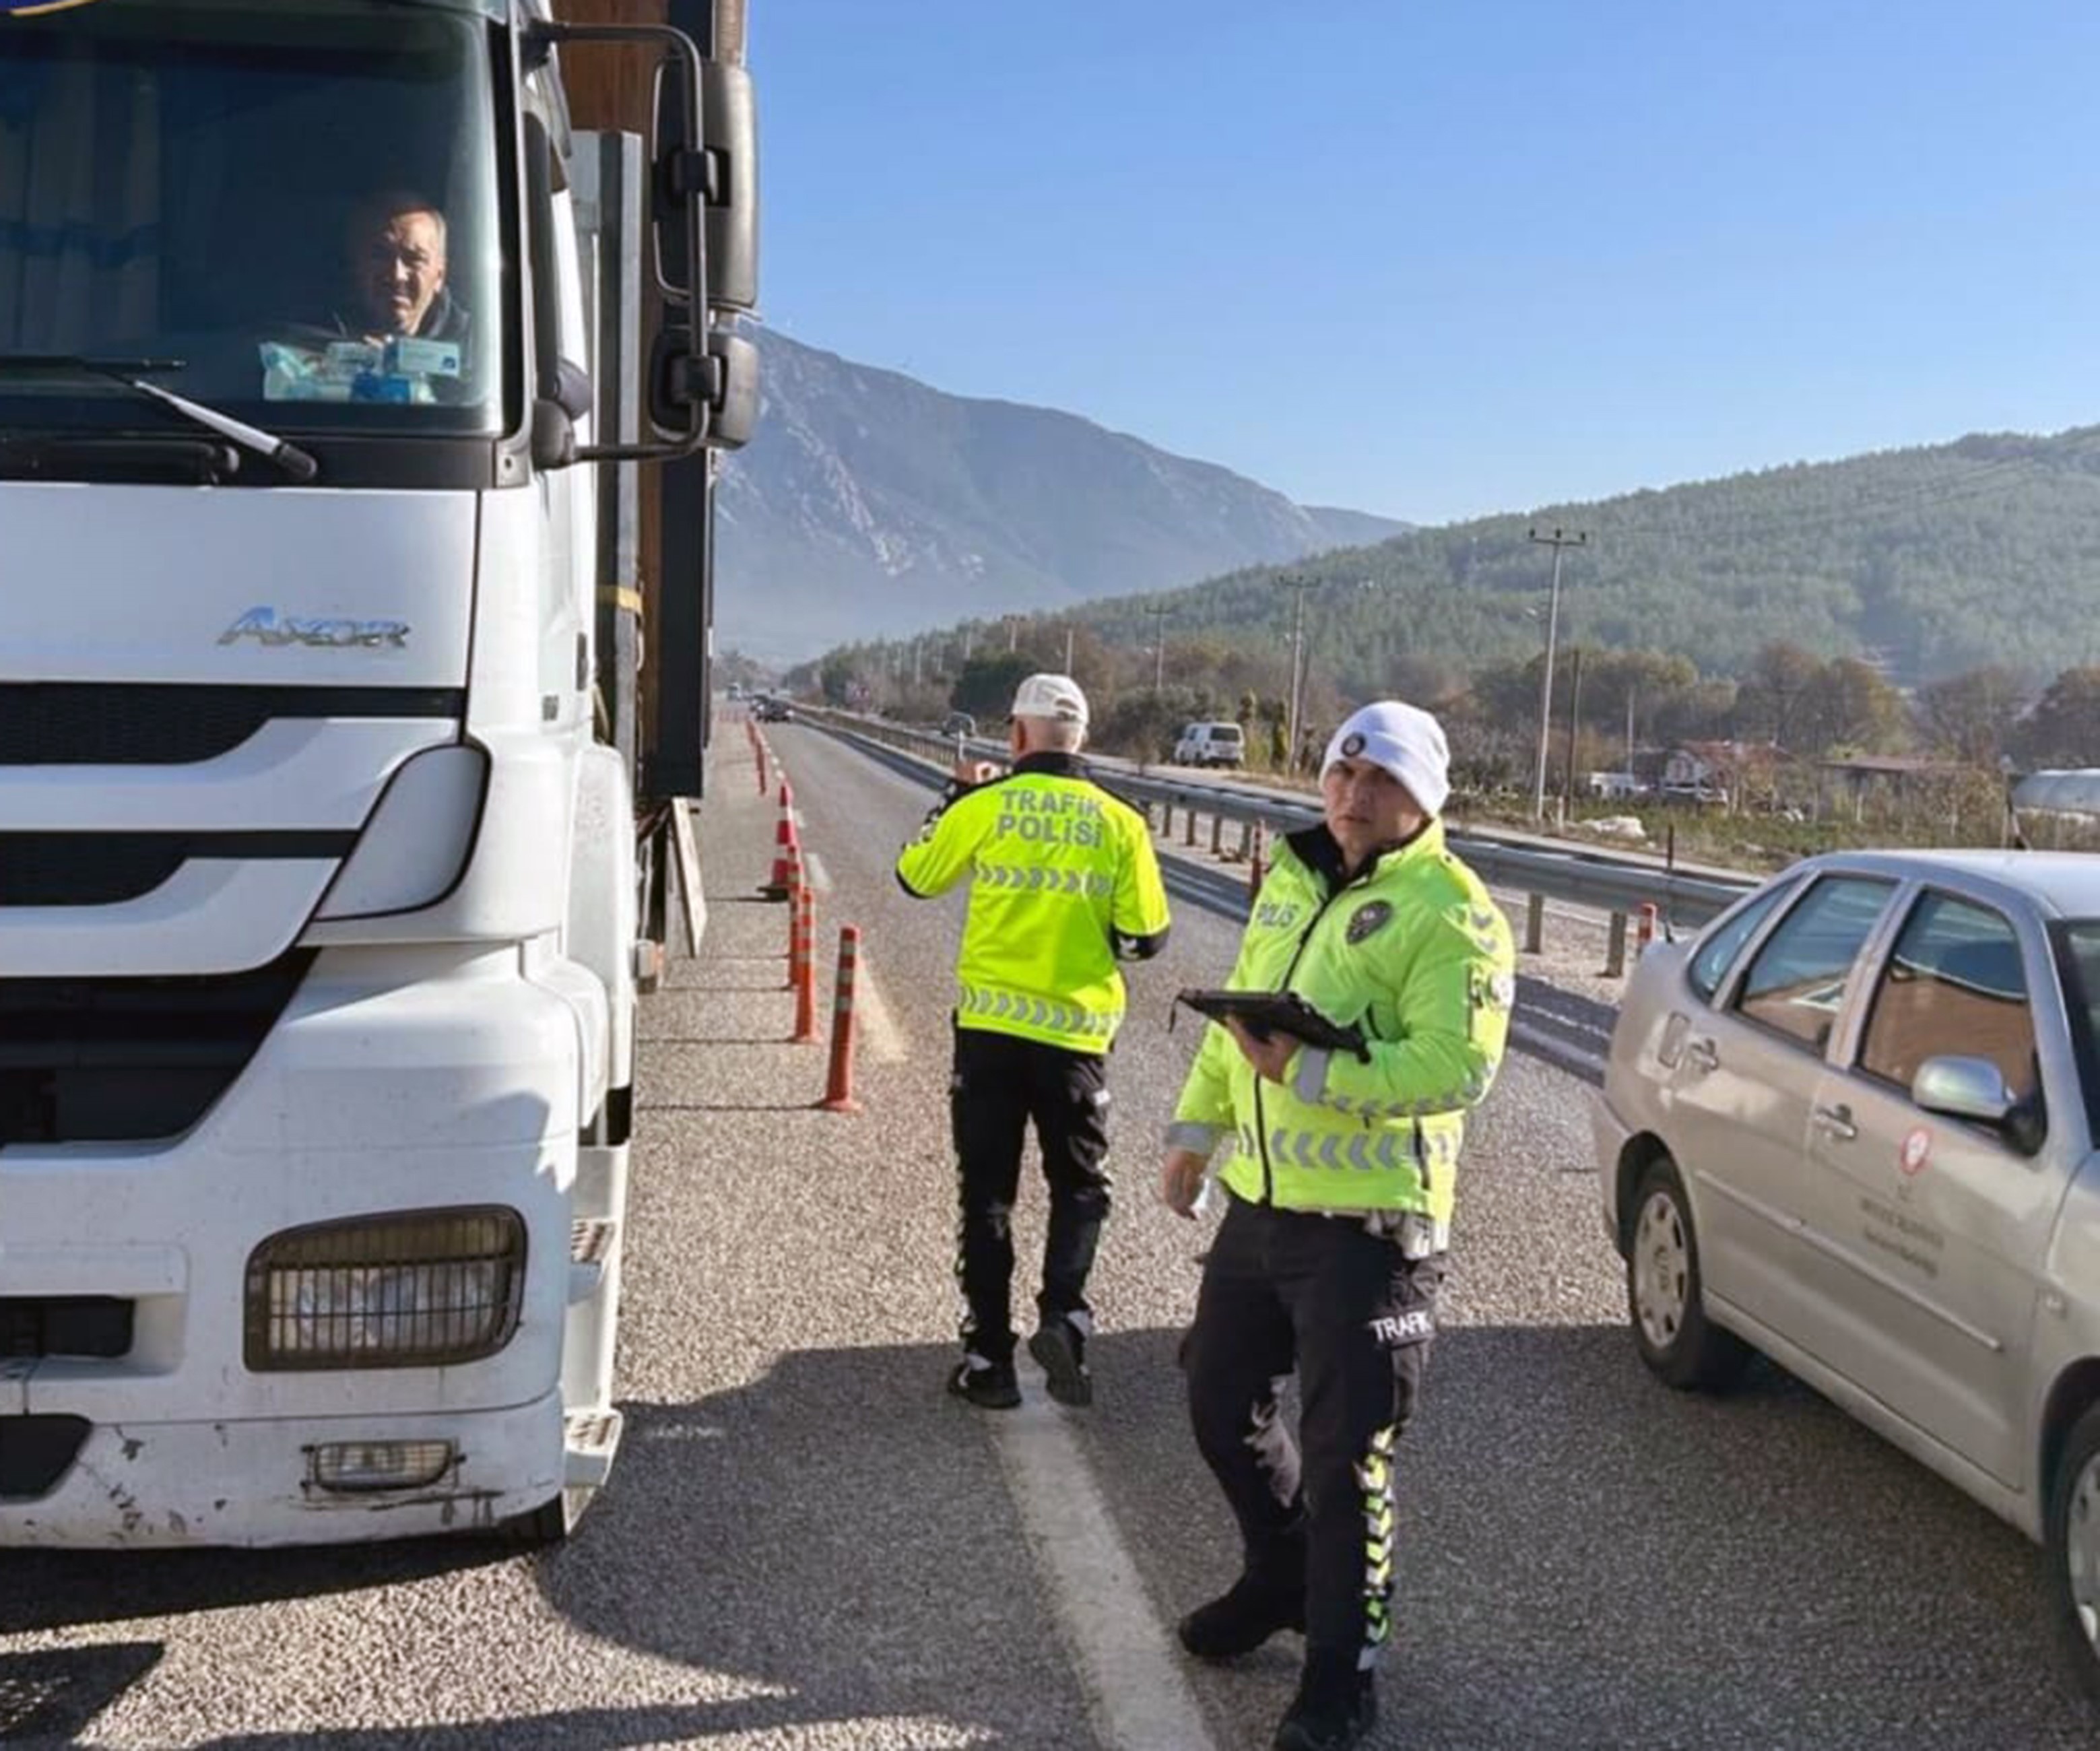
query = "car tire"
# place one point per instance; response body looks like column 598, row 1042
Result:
column 1665, row 1299
column 2073, row 1541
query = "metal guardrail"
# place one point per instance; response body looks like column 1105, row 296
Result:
column 1578, row 876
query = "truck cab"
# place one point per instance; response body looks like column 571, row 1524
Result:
column 320, row 893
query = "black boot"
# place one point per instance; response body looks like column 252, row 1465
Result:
column 1335, row 1707
column 1268, row 1596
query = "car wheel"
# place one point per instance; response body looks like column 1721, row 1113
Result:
column 1665, row 1299
column 2073, row 1543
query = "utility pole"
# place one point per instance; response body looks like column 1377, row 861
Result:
column 914, row 662
column 1013, row 632
column 1068, row 649
column 1292, row 581
column 1574, row 721
column 1159, row 645
column 1557, row 541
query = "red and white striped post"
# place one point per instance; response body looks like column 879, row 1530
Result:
column 802, row 969
column 785, row 840
column 1644, row 929
column 758, row 748
column 839, row 1083
column 1255, row 864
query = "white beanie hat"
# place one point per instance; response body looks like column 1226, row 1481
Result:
column 1057, row 697
column 1403, row 739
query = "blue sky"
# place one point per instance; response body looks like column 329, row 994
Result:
column 1443, row 259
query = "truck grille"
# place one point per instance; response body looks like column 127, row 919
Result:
column 129, row 1060
column 104, row 869
column 33, row 1326
column 118, row 724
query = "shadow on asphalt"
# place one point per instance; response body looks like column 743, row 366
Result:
column 1586, row 1559
column 54, row 1589
column 54, row 1692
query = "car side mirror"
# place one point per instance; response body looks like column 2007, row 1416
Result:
column 1962, row 1087
column 1975, row 1089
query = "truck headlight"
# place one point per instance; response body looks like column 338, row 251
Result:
column 414, row 1289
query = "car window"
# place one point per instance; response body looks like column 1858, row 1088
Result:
column 1796, row 984
column 1953, row 985
column 1710, row 966
column 2078, row 959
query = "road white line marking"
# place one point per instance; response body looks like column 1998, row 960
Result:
column 1135, row 1688
column 820, row 878
column 885, row 1040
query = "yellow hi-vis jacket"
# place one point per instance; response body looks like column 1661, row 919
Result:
column 1415, row 953
column 1065, row 884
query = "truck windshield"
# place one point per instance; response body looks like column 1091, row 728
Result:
column 292, row 206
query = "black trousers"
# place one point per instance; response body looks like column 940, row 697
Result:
column 1001, row 1082
column 1287, row 1292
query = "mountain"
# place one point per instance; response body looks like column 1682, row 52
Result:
column 869, row 504
column 1922, row 563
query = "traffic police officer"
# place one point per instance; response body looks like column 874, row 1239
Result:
column 1064, row 884
column 1330, row 1253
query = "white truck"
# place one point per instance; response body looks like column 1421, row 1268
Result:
column 335, row 801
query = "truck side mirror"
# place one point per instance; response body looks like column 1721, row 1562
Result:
column 723, row 380
column 712, row 180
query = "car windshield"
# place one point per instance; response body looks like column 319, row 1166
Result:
column 2078, row 946
column 286, row 208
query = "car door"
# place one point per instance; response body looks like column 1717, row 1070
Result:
column 1926, row 1229
column 1745, row 1078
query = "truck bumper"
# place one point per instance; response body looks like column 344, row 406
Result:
column 393, row 1084
column 170, row 1483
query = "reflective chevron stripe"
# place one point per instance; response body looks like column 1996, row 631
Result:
column 1041, row 1014
column 1037, row 878
column 1364, row 1152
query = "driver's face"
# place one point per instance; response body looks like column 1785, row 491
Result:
column 403, row 271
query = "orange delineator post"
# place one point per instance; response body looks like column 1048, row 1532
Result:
column 797, row 949
column 785, row 839
column 1644, row 931
column 838, row 1086
column 804, row 968
column 758, row 748
column 1254, row 864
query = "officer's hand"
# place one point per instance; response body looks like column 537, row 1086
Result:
column 1180, row 1180
column 1270, row 1057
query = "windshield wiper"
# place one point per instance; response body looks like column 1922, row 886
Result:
column 298, row 463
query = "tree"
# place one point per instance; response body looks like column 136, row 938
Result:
column 985, row 687
column 1970, row 716
column 1768, row 701
column 1847, row 704
column 2065, row 728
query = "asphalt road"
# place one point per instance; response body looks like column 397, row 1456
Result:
column 804, row 1545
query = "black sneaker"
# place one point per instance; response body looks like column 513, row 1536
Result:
column 1334, row 1709
column 1058, row 1348
column 989, row 1386
column 1242, row 1618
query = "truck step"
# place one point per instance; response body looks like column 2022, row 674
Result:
column 592, row 1240
column 589, row 1438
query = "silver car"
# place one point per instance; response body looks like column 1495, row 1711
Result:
column 1854, row 1125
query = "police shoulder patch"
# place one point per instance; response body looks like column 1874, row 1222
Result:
column 1368, row 917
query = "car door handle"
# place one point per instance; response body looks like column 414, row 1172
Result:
column 1702, row 1054
column 1836, row 1121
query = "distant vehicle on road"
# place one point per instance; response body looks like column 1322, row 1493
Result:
column 959, row 723
column 1210, row 744
column 1853, row 1125
column 770, row 710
